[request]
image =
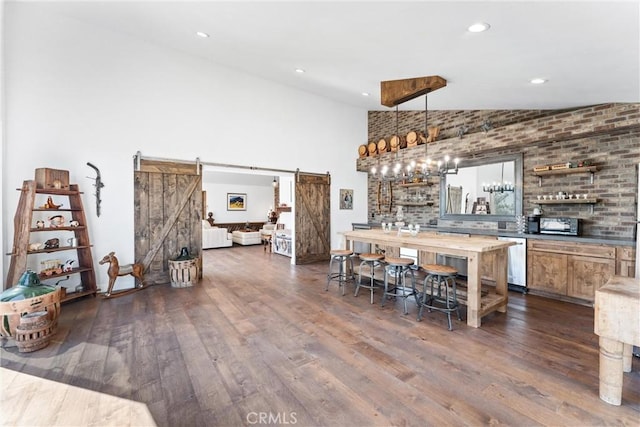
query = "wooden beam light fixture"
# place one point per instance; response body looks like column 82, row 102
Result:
column 396, row 92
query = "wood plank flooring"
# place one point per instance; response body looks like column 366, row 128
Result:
column 259, row 341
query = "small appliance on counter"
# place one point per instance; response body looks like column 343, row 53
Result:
column 533, row 224
column 560, row 225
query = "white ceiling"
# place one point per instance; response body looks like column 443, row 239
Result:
column 589, row 51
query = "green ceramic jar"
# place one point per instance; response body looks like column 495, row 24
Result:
column 28, row 286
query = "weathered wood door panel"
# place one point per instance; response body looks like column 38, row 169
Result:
column 312, row 219
column 167, row 211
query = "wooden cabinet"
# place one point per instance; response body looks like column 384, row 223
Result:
column 625, row 261
column 33, row 227
column 546, row 271
column 569, row 269
column 586, row 274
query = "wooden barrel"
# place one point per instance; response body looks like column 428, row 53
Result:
column 412, row 139
column 362, row 150
column 397, row 142
column 33, row 332
column 383, row 147
column 184, row 273
column 372, row 148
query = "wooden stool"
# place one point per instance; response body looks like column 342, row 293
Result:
column 439, row 292
column 340, row 255
column 372, row 260
column 399, row 267
column 33, row 332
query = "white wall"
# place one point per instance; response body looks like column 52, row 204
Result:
column 76, row 93
column 259, row 199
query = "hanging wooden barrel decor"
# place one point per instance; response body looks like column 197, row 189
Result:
column 362, row 150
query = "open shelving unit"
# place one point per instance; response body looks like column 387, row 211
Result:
column 23, row 223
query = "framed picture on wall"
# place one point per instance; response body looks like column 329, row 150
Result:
column 346, row 199
column 236, row 201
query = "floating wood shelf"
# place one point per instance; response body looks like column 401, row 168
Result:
column 585, row 169
column 416, row 184
column 590, row 200
column 427, row 203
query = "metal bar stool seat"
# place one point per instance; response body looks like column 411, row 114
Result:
column 341, row 256
column 372, row 260
column 398, row 268
column 439, row 291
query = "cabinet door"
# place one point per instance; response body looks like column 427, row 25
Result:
column 588, row 274
column 547, row 272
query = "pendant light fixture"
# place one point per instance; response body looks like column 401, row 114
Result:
column 394, row 93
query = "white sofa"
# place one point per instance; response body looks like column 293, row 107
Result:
column 215, row 237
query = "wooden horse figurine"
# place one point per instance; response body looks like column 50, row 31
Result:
column 115, row 270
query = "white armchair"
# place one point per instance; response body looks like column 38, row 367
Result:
column 215, row 237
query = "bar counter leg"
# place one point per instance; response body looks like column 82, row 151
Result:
column 611, row 370
column 473, row 291
column 500, row 268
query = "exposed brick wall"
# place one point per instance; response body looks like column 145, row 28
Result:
column 608, row 135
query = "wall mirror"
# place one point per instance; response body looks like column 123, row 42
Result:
column 487, row 189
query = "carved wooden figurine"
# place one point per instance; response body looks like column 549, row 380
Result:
column 115, row 270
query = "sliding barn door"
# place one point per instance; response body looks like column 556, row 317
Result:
column 168, row 208
column 312, row 222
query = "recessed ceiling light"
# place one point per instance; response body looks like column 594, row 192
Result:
column 479, row 27
column 537, row 81
column 202, row 34
column 365, row 93
column 299, row 70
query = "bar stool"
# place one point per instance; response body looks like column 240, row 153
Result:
column 341, row 256
column 398, row 268
column 441, row 296
column 372, row 260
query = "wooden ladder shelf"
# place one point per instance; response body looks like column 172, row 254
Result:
column 24, row 226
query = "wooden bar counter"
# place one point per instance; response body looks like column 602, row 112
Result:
column 470, row 247
column 617, row 323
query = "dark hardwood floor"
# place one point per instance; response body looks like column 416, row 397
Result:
column 259, row 341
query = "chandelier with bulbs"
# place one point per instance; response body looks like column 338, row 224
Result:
column 394, row 93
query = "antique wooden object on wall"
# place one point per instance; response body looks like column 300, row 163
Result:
column 167, row 210
column 312, row 221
